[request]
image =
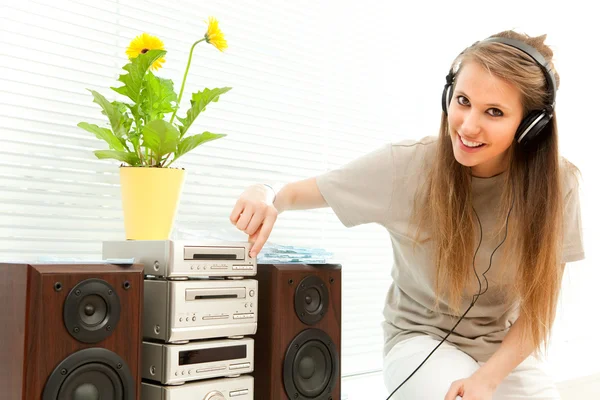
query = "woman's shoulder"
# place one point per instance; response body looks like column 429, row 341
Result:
column 569, row 174
column 414, row 152
column 416, row 144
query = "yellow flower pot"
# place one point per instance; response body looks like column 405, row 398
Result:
column 150, row 201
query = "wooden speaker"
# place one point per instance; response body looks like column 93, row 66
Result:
column 297, row 344
column 70, row 331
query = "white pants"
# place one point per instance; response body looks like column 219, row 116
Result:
column 448, row 364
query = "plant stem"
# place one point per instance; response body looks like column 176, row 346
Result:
column 141, row 156
column 185, row 77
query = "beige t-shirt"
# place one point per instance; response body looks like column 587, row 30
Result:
column 379, row 188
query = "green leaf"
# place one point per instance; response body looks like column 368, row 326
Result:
column 161, row 137
column 199, row 102
column 123, row 109
column 118, row 121
column 104, row 134
column 191, row 142
column 137, row 69
column 158, row 97
column 129, row 158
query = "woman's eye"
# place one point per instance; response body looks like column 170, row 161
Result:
column 494, row 112
column 462, row 100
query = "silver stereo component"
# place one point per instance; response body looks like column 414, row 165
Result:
column 184, row 258
column 172, row 364
column 177, row 311
column 241, row 388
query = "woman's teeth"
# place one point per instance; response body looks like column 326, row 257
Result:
column 470, row 144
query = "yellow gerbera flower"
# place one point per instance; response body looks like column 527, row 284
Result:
column 144, row 43
column 214, row 35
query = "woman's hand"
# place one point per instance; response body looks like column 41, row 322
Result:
column 472, row 388
column 255, row 215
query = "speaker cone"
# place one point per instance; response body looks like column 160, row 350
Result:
column 90, row 374
column 310, row 367
column 311, row 300
column 92, row 381
column 91, row 311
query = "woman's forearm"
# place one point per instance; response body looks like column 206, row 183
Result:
column 300, row 195
column 512, row 352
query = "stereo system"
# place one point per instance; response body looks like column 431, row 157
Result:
column 200, row 305
column 70, row 331
column 101, row 331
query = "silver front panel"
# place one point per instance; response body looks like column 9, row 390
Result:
column 177, row 363
column 199, row 309
column 185, row 258
column 241, row 388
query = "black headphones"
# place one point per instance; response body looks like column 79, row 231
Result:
column 536, row 120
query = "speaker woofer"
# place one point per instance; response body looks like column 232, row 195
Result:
column 90, row 374
column 92, row 381
column 311, row 300
column 91, row 311
column 310, row 367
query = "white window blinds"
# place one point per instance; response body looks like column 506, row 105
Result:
column 289, row 116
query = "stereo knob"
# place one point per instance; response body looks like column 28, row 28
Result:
column 214, row 395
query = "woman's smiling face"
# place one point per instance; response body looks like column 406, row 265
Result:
column 484, row 114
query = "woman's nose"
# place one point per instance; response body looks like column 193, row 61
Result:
column 471, row 125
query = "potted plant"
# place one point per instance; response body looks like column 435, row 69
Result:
column 147, row 136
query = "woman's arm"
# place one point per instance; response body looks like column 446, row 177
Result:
column 256, row 210
column 300, row 195
column 515, row 348
column 484, row 382
column 512, row 352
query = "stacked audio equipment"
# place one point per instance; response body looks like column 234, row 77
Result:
column 199, row 308
column 299, row 335
column 70, row 331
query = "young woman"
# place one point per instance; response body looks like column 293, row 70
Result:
column 491, row 184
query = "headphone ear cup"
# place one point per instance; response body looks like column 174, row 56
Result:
column 530, row 128
column 447, row 97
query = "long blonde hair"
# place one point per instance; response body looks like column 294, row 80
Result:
column 533, row 180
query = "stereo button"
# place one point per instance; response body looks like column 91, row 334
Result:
column 210, row 369
column 238, row 393
column 243, row 267
column 239, row 366
column 243, row 316
column 207, row 317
